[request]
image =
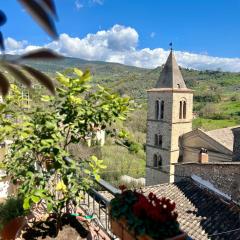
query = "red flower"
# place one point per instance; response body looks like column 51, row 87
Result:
column 141, row 207
column 151, row 196
column 122, row 188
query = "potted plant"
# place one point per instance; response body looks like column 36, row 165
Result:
column 136, row 216
column 39, row 157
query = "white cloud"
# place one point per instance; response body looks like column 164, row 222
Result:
column 103, row 44
column 152, row 35
column 12, row 44
column 120, row 44
column 78, row 5
column 99, row 2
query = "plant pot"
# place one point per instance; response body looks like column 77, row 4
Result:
column 144, row 237
column 71, row 228
column 128, row 235
column 13, row 228
column 119, row 229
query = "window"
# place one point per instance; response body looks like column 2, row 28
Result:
column 159, row 161
column 155, row 161
column 184, row 109
column 162, row 109
column 158, row 140
column 157, row 109
column 180, row 110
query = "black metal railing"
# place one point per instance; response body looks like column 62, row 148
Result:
column 95, row 203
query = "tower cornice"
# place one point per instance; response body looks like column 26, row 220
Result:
column 173, row 90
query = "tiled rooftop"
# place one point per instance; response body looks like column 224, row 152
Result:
column 202, row 214
column 223, row 135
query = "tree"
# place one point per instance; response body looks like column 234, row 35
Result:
column 39, row 158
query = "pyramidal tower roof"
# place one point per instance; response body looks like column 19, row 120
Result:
column 171, row 76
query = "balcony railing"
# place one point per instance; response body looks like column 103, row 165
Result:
column 96, row 204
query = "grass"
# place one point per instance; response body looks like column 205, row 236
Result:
column 230, row 107
column 120, row 162
column 118, row 159
column 210, row 124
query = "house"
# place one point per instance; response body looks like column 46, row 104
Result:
column 219, row 144
column 207, row 198
column 205, row 210
column 170, row 137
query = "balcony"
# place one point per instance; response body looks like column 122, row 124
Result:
column 95, row 204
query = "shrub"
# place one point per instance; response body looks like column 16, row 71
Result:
column 207, row 97
column 235, row 98
column 39, row 157
column 210, row 111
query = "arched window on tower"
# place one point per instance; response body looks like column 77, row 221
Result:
column 162, row 109
column 159, row 161
column 184, row 109
column 180, row 110
column 155, row 160
column 158, row 140
column 157, row 109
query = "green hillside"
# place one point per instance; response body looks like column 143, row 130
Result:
column 216, row 96
column 216, row 104
column 134, row 81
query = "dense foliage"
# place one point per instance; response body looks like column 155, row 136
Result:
column 219, row 88
column 39, row 160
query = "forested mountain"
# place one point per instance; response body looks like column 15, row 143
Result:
column 134, row 81
column 216, row 93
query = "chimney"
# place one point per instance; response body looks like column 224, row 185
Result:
column 236, row 144
column 203, row 156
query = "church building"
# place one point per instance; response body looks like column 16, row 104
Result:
column 170, row 138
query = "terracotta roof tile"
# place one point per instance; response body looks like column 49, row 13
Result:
column 223, row 135
column 201, row 213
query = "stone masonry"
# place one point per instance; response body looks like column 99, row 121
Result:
column 170, row 89
column 224, row 176
column 236, row 144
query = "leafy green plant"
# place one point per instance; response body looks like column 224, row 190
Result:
column 2, row 166
column 39, row 158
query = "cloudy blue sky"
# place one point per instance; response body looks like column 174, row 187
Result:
column 205, row 33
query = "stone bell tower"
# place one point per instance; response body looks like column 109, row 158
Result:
column 169, row 116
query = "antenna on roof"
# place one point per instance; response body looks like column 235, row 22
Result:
column 171, row 44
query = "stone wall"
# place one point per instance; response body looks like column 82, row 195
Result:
column 236, row 144
column 170, row 128
column 224, row 176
